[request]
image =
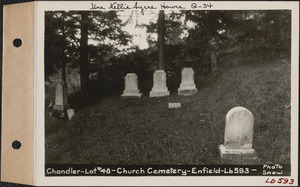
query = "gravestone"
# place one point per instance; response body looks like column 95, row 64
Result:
column 187, row 86
column 71, row 113
column 174, row 105
column 159, row 88
column 237, row 147
column 61, row 97
column 131, row 86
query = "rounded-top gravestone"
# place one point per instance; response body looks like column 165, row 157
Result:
column 238, row 137
column 239, row 128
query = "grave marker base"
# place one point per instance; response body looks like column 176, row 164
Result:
column 155, row 93
column 187, row 92
column 61, row 109
column 131, row 95
column 238, row 156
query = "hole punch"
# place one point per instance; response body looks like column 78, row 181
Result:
column 17, row 42
column 16, row 144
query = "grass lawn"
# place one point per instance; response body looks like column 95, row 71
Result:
column 112, row 130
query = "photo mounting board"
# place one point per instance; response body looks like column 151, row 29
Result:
column 23, row 97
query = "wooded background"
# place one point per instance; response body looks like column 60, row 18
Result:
column 86, row 49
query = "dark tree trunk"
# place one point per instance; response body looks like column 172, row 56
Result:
column 213, row 61
column 63, row 71
column 160, row 40
column 213, row 55
column 84, row 63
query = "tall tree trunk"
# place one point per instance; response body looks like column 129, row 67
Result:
column 213, row 61
column 63, row 70
column 213, row 55
column 161, row 40
column 84, row 63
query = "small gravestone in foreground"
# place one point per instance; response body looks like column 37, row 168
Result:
column 237, row 147
column 61, row 98
column 187, row 86
column 159, row 88
column 131, row 86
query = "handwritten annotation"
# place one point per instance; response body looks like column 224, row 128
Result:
column 142, row 8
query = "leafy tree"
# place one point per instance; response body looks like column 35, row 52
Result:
column 84, row 37
column 60, row 42
column 94, row 41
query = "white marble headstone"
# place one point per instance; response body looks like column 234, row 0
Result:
column 213, row 60
column 159, row 88
column 239, row 128
column 187, row 86
column 61, row 97
column 71, row 113
column 131, row 86
column 237, row 147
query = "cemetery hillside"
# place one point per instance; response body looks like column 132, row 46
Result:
column 112, row 99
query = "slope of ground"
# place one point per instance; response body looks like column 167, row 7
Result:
column 145, row 131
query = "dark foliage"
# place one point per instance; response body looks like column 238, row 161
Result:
column 212, row 33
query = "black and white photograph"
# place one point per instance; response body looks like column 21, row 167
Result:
column 167, row 87
column 167, row 90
